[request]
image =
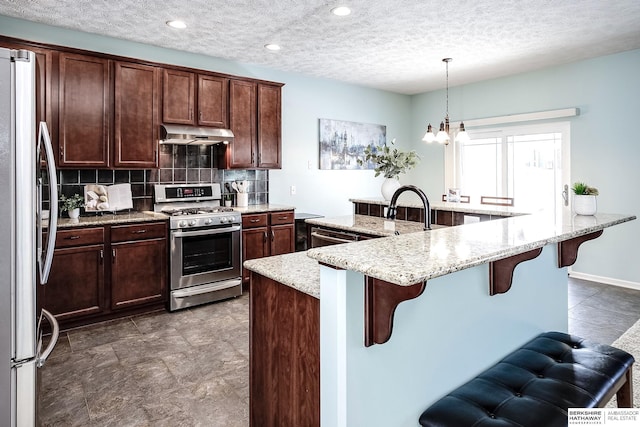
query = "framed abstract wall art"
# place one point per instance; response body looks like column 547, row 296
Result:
column 342, row 143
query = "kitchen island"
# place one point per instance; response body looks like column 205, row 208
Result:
column 402, row 320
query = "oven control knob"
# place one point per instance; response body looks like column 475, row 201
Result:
column 182, row 224
column 223, row 219
column 192, row 222
column 208, row 221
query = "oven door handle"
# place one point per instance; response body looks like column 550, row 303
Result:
column 207, row 232
column 205, row 289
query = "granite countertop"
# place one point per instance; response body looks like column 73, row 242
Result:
column 371, row 225
column 411, row 258
column 296, row 270
column 416, row 257
column 264, row 208
column 111, row 218
column 448, row 206
column 141, row 216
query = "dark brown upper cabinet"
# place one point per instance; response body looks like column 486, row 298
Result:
column 269, row 127
column 84, row 105
column 136, row 107
column 241, row 153
column 104, row 111
column 195, row 99
column 254, row 118
column 178, row 97
column 213, row 98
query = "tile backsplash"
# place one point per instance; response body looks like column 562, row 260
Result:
column 178, row 164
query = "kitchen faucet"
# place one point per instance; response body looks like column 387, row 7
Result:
column 391, row 212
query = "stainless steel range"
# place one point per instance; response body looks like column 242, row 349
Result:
column 205, row 244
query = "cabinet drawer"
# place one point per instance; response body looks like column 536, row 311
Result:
column 257, row 220
column 125, row 233
column 278, row 218
column 79, row 237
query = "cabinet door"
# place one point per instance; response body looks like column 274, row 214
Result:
column 283, row 239
column 76, row 282
column 84, row 104
column 178, row 97
column 242, row 121
column 213, row 97
column 136, row 116
column 269, row 127
column 138, row 273
column 255, row 244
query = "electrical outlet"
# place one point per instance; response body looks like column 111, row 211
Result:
column 310, row 164
column 293, row 190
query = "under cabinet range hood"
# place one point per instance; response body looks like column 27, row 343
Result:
column 193, row 135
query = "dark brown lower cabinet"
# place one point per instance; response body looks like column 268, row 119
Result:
column 100, row 273
column 137, row 273
column 76, row 284
column 284, row 355
column 266, row 234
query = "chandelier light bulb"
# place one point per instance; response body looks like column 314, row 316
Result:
column 429, row 136
column 462, row 135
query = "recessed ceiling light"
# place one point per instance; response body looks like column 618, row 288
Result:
column 341, row 11
column 272, row 46
column 177, row 24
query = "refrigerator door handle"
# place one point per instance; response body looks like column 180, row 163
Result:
column 55, row 333
column 45, row 264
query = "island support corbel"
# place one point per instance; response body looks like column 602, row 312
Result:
column 380, row 301
column 501, row 271
column 568, row 249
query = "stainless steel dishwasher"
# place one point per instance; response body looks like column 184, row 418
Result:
column 324, row 237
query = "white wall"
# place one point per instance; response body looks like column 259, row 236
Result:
column 605, row 147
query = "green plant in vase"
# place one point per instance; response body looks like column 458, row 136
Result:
column 584, row 199
column 71, row 205
column 390, row 162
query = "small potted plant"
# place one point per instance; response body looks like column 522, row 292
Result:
column 227, row 199
column 390, row 162
column 71, row 205
column 584, row 199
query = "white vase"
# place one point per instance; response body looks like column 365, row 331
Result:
column 584, row 204
column 389, row 186
column 74, row 213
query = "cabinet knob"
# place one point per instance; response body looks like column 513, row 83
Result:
column 72, row 237
column 140, row 231
column 254, row 220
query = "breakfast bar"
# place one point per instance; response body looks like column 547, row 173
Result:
column 390, row 325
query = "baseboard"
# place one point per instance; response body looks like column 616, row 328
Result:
column 605, row 280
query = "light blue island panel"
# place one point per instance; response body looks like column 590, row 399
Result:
column 440, row 339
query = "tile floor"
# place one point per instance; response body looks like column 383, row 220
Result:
column 187, row 368
column 191, row 367
column 601, row 312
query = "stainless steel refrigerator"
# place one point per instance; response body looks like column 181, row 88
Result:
column 27, row 237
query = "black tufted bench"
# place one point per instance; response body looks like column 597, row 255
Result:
column 535, row 385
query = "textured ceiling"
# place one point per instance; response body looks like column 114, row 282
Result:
column 395, row 45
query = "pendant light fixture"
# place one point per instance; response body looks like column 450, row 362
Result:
column 443, row 136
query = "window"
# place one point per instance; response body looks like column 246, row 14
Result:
column 527, row 163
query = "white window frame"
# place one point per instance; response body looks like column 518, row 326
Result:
column 452, row 151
